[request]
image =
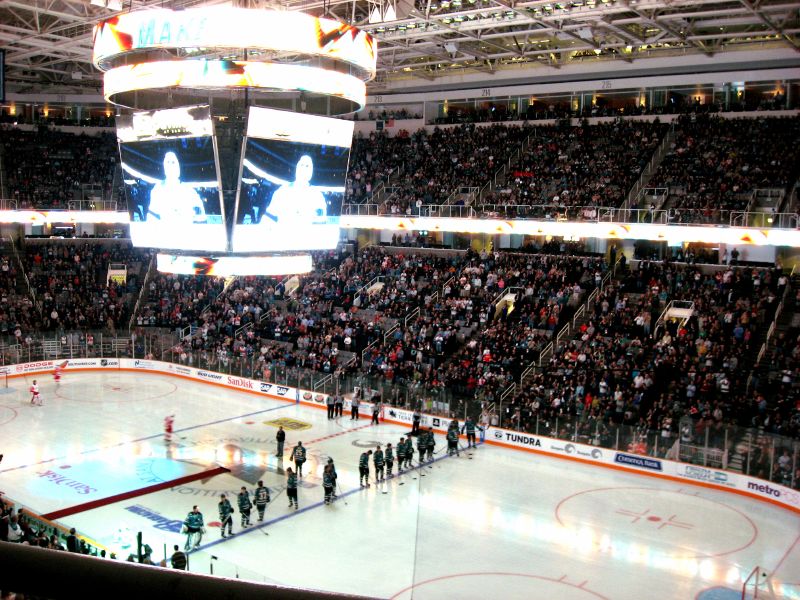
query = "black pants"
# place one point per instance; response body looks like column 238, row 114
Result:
column 354, row 413
column 363, row 474
column 378, row 471
column 328, row 493
column 261, row 508
column 374, row 418
column 415, row 426
column 338, row 410
column 330, row 411
column 292, row 494
column 471, row 439
column 245, row 512
column 227, row 523
column 389, row 465
column 299, row 465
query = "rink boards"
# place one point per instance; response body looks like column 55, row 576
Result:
column 654, row 467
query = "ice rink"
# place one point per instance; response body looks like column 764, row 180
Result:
column 497, row 524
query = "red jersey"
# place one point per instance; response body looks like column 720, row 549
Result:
column 57, row 373
column 168, row 422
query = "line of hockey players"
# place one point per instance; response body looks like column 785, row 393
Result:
column 383, row 461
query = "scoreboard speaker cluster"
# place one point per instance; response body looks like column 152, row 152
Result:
column 234, row 161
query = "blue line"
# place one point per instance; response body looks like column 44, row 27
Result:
column 151, row 437
column 310, row 507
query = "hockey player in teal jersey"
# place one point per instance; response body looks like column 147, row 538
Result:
column 409, row 452
column 327, row 483
column 245, row 506
column 299, row 457
column 363, row 468
column 430, row 444
column 334, row 474
column 225, row 515
column 194, row 529
column 422, row 446
column 389, row 455
column 261, row 497
column 291, row 487
column 377, row 459
column 401, row 455
column 452, row 440
column 469, row 427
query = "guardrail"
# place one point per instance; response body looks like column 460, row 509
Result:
column 591, row 214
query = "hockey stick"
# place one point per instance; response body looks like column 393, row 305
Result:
column 275, row 497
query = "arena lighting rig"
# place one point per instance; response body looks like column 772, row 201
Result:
column 210, row 167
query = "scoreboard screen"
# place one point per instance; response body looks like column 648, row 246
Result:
column 292, row 182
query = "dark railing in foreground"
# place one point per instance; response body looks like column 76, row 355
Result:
column 55, row 575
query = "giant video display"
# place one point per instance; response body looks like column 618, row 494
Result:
column 170, row 170
column 292, row 183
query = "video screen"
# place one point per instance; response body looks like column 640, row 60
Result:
column 171, row 177
column 292, row 185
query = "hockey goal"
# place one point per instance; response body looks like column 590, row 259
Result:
column 758, row 585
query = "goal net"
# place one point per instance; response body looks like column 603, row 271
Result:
column 758, row 586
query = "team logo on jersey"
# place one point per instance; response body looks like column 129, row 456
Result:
column 289, row 424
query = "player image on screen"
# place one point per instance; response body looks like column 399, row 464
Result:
column 173, row 193
column 172, row 200
column 291, row 195
column 293, row 173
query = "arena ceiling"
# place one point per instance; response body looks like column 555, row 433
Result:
column 48, row 42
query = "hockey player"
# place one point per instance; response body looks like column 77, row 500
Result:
column 389, row 455
column 57, row 372
column 334, row 474
column 377, row 460
column 430, row 444
column 169, row 422
column 225, row 515
column 35, row 397
column 452, row 439
column 409, row 453
column 194, row 529
column 327, row 483
column 261, row 497
column 363, row 468
column 299, row 458
column 291, row 487
column 245, row 506
column 469, row 427
column 401, row 454
column 422, row 446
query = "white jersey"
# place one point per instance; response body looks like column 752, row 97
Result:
column 297, row 205
column 35, row 390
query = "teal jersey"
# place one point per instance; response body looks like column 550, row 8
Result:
column 431, row 442
column 291, row 482
column 401, row 449
column 261, row 495
column 299, row 454
column 243, row 499
column 389, row 454
column 377, row 458
column 363, row 461
column 409, row 448
column 452, row 435
column 327, row 479
column 194, row 520
column 470, row 427
column 422, row 442
column 225, row 509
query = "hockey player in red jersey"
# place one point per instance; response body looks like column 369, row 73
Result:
column 58, row 371
column 35, row 397
column 169, row 422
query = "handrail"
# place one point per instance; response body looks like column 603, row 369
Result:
column 390, row 332
column 151, row 267
column 411, row 316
